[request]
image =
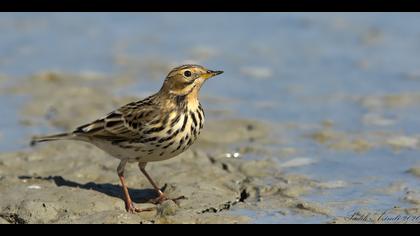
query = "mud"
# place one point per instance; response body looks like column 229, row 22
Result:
column 74, row 182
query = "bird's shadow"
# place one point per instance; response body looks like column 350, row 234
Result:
column 113, row 190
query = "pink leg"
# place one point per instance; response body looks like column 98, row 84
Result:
column 129, row 206
column 161, row 198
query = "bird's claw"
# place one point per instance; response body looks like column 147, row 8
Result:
column 132, row 209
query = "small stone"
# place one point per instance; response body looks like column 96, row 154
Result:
column 34, row 187
column 167, row 208
column 38, row 211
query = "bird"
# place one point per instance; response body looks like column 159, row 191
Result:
column 156, row 128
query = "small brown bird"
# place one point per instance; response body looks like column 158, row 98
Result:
column 154, row 129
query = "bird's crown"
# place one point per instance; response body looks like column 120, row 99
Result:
column 186, row 79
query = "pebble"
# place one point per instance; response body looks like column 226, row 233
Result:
column 167, row 208
column 232, row 155
column 34, row 187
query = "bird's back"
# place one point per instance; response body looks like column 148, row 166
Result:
column 153, row 129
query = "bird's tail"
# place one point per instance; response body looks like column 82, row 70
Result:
column 39, row 139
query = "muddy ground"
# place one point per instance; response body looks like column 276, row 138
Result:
column 74, row 182
column 331, row 130
column 231, row 175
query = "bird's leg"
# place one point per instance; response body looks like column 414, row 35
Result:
column 161, row 198
column 129, row 206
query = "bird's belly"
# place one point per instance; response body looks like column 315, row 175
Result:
column 165, row 147
column 140, row 152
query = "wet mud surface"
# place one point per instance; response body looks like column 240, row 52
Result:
column 296, row 132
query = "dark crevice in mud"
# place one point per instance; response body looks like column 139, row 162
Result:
column 225, row 167
column 147, row 222
column 243, row 195
column 13, row 218
column 223, row 207
column 212, row 159
column 222, row 165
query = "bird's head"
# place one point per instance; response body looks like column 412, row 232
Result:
column 187, row 79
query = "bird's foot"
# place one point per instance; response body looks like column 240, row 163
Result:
column 132, row 209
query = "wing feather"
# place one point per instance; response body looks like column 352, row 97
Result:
column 125, row 123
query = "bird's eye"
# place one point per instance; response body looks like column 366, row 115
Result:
column 187, row 73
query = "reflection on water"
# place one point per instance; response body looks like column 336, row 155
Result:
column 357, row 71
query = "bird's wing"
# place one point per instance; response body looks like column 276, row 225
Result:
column 125, row 123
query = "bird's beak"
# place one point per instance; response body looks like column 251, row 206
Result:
column 211, row 73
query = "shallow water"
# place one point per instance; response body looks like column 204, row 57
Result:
column 300, row 69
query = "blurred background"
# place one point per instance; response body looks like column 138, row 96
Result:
column 346, row 85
